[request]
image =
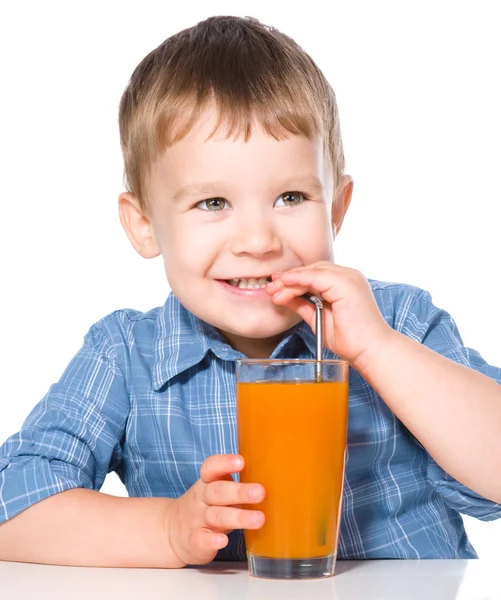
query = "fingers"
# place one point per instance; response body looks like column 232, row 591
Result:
column 221, row 495
column 228, row 493
column 280, row 289
column 220, row 466
column 301, row 281
column 326, row 280
column 224, row 518
column 211, row 508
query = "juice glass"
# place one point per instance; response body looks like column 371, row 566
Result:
column 292, row 434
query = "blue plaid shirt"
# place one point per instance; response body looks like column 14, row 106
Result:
column 150, row 395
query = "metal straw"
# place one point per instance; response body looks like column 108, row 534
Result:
column 318, row 330
column 322, row 531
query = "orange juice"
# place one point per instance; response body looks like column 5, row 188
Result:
column 293, row 439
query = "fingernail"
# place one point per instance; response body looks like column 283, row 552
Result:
column 257, row 519
column 254, row 493
column 236, row 462
column 276, row 283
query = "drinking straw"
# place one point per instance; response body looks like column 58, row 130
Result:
column 322, row 530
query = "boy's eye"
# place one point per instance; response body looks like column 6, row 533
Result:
column 290, row 199
column 213, row 204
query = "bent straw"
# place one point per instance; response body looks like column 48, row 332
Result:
column 318, row 331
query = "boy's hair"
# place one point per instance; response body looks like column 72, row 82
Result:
column 247, row 70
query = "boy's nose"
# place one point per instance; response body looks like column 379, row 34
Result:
column 256, row 236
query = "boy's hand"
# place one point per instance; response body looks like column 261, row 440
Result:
column 353, row 325
column 199, row 521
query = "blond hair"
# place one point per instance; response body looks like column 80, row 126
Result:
column 249, row 71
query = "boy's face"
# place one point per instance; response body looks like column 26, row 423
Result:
column 225, row 214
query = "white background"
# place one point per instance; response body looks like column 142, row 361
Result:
column 419, row 96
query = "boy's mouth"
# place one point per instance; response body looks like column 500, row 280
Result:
column 250, row 283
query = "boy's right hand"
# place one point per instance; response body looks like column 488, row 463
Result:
column 199, row 521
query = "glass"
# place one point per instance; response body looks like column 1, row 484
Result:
column 292, row 434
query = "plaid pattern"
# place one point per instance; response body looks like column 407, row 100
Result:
column 150, row 395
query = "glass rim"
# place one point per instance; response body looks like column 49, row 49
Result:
column 295, row 361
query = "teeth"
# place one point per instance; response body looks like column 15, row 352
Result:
column 250, row 284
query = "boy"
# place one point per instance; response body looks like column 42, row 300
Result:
column 235, row 172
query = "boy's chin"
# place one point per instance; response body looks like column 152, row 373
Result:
column 260, row 330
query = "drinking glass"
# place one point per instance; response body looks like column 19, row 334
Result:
column 292, row 428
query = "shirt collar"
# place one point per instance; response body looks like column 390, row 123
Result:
column 182, row 341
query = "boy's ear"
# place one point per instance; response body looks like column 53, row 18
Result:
column 341, row 202
column 137, row 226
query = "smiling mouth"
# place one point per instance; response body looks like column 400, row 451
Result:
column 249, row 284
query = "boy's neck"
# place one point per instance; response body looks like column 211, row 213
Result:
column 253, row 348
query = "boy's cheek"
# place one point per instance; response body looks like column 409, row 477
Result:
column 312, row 238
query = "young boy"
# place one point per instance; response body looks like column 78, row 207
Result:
column 235, row 172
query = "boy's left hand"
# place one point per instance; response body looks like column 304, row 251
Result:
column 353, row 324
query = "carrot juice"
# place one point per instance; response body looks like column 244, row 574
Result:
column 292, row 435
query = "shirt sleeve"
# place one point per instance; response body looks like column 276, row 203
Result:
column 71, row 439
column 436, row 329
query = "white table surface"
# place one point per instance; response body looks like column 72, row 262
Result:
column 354, row 580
